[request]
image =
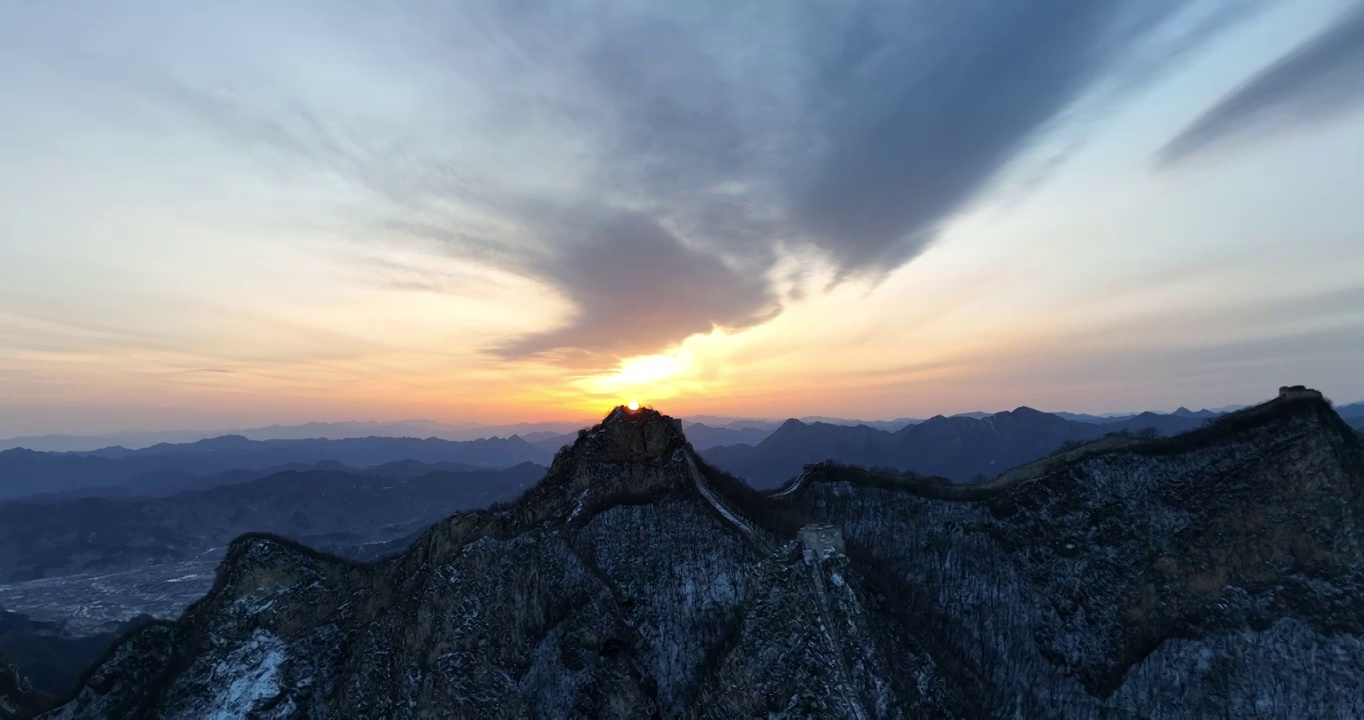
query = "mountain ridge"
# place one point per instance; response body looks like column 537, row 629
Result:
column 531, row 431
column 325, row 506
column 630, row 464
column 24, row 472
column 959, row 447
column 1259, row 565
column 619, row 586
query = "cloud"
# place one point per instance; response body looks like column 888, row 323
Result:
column 654, row 165
column 1319, row 79
column 637, row 288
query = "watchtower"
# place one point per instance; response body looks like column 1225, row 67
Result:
column 821, row 541
column 1298, row 392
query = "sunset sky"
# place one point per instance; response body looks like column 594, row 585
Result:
column 225, row 214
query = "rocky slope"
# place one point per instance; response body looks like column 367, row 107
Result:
column 48, row 657
column 17, row 699
column 1218, row 572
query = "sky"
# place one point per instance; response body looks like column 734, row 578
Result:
column 229, row 214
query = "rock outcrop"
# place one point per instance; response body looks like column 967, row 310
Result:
column 17, row 699
column 1217, row 571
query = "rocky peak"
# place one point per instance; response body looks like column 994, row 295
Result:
column 631, row 454
column 633, row 435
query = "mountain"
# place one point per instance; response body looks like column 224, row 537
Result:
column 403, row 469
column 733, row 423
column 138, row 439
column 51, row 659
column 25, row 472
column 320, row 506
column 1353, row 411
column 729, row 423
column 171, row 482
column 1182, row 412
column 551, row 441
column 1219, row 572
column 1215, row 573
column 627, row 583
column 961, row 448
column 781, row 455
column 704, row 436
column 887, row 425
column 1172, row 424
column 1096, row 419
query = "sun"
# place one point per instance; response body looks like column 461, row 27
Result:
column 633, row 405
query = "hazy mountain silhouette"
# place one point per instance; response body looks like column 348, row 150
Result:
column 704, row 436
column 961, row 447
column 325, row 507
column 25, row 472
column 1171, row 424
column 1353, row 411
column 138, row 439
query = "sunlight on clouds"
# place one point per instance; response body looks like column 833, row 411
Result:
column 652, row 377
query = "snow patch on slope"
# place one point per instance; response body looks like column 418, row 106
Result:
column 247, row 676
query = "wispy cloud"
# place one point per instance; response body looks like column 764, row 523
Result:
column 1321, row 78
column 653, row 165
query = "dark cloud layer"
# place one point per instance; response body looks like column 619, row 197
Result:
column 636, row 285
column 1319, row 79
column 913, row 129
column 709, row 138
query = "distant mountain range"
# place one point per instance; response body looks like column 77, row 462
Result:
column 323, row 507
column 26, row 472
column 750, row 431
column 1118, row 417
column 961, row 448
column 1353, row 415
column 763, row 451
column 138, row 439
